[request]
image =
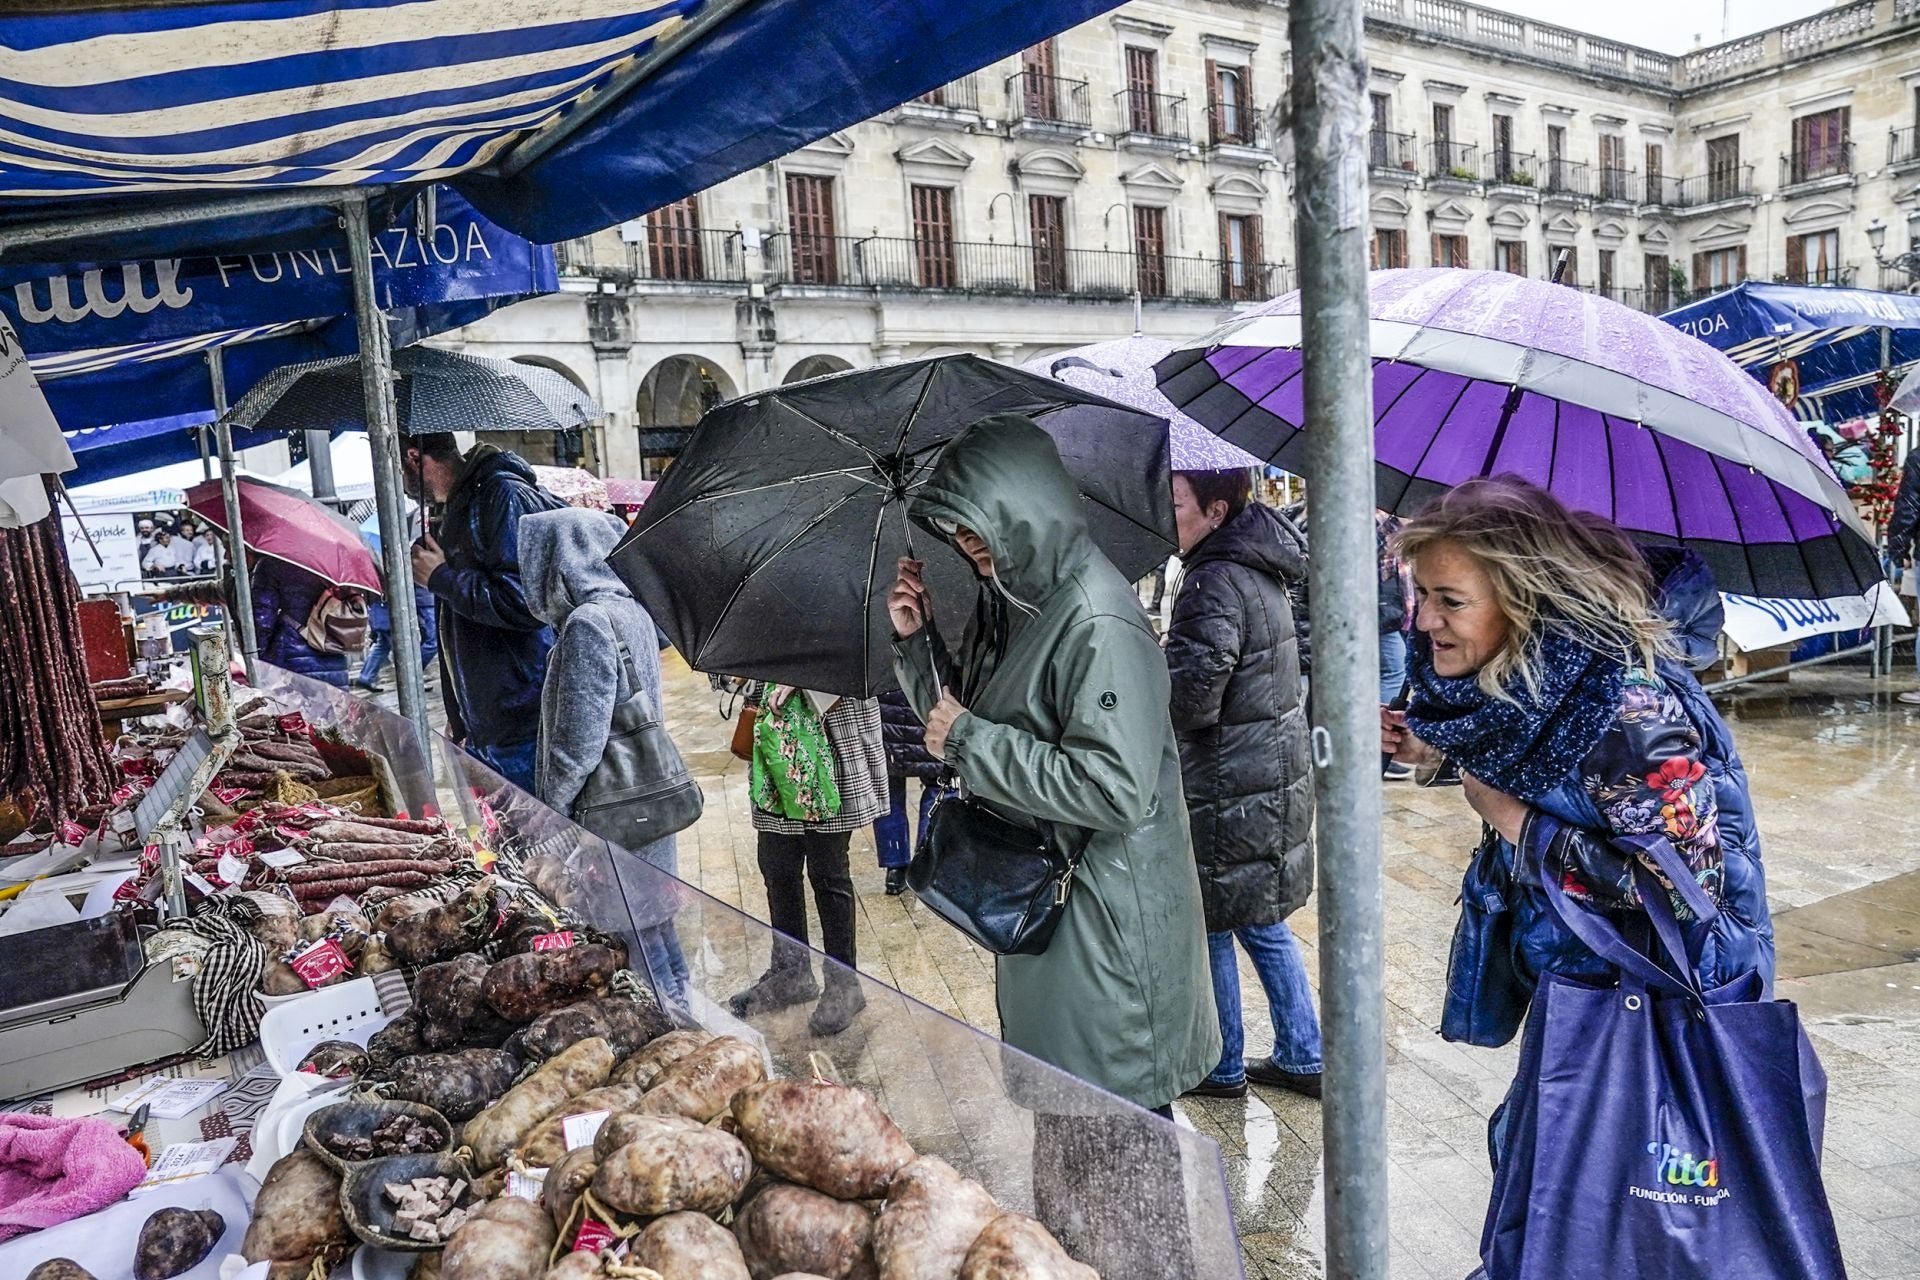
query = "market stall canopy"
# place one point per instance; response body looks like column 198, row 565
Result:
column 1482, row 372
column 434, row 391
column 557, row 120
column 445, row 256
column 1820, row 346
column 30, row 440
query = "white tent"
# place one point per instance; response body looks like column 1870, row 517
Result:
column 352, row 469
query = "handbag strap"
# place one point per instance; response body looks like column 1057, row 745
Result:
column 1604, row 938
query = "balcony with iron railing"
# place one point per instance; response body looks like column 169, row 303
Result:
column 1232, row 125
column 1154, row 120
column 1836, row 277
column 901, row 262
column 667, row 255
column 1616, row 186
column 1455, row 22
column 1039, row 103
column 956, row 102
column 1903, row 147
column 1453, row 162
column 1718, row 186
column 1511, row 172
column 1830, row 164
column 1392, row 152
column 1567, row 180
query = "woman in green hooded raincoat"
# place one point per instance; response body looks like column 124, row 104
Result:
column 1065, row 720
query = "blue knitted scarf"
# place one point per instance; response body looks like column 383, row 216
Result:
column 1526, row 747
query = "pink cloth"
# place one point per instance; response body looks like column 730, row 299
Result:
column 53, row 1171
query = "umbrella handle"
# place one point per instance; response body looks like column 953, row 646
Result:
column 1080, row 362
column 926, row 621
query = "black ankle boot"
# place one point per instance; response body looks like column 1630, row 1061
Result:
column 781, row 987
column 837, row 1008
column 896, row 881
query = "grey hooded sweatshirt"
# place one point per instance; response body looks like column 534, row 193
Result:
column 569, row 586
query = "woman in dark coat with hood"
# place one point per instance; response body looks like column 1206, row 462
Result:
column 283, row 598
column 1243, row 760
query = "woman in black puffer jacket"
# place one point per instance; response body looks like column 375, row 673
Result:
column 907, row 757
column 1234, row 659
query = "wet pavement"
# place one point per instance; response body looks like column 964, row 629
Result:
column 1833, row 763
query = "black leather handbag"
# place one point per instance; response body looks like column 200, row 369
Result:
column 1000, row 882
column 641, row 790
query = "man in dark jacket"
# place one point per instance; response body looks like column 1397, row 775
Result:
column 1900, row 535
column 493, row 649
column 1242, row 732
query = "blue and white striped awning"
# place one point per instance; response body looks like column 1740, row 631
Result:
column 71, row 364
column 557, row 118
column 311, row 93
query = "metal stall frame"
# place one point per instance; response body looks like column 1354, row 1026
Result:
column 1329, row 122
column 376, row 362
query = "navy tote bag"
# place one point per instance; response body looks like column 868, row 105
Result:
column 1656, row 1129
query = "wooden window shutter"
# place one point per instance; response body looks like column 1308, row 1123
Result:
column 1699, row 271
column 1256, row 249
column 1439, row 258
column 1796, row 259
column 1214, row 132
column 1740, row 265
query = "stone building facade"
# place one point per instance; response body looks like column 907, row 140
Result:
column 1124, row 175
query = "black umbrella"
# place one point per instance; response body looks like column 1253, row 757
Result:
column 769, row 547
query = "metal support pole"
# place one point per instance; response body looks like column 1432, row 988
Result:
column 1329, row 123
column 320, row 464
column 236, row 537
column 1883, row 636
column 383, row 435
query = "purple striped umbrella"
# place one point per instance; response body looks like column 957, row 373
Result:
column 1482, row 373
column 1122, row 370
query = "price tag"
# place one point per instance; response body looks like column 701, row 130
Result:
column 201, row 883
column 321, row 961
column 227, row 795
column 489, row 820
column 580, row 1131
column 125, row 792
column 292, row 722
column 281, row 859
column 230, row 869
column 137, row 766
column 72, row 832
column 527, row 1185
column 239, row 846
column 594, row 1235
column 554, row 941
column 246, row 822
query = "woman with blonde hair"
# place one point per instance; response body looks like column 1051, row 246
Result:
column 1543, row 667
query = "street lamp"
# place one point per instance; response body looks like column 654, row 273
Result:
column 1908, row 261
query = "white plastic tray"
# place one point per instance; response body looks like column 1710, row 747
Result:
column 349, row 1011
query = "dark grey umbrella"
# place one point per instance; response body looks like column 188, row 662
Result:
column 769, row 547
column 434, row 390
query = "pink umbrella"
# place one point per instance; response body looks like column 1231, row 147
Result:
column 288, row 525
column 622, row 492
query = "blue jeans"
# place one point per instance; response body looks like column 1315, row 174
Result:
column 514, row 763
column 890, row 828
column 1296, row 1027
column 379, row 649
column 666, row 964
column 1393, row 665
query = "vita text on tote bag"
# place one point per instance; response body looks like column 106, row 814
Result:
column 1656, row 1129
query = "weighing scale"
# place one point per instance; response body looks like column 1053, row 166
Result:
column 80, row 1000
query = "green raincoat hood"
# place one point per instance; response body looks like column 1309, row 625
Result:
column 1002, row 478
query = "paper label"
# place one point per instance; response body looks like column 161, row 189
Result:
column 201, row 883
column 136, row 766
column 72, row 832
column 227, row 795
column 125, row 792
column 527, row 1185
column 323, row 960
column 593, row 1236
column 239, row 846
column 179, row 1161
column 282, row 858
column 230, row 869
column 169, row 1099
column 554, row 941
column 580, row 1131
column 292, row 722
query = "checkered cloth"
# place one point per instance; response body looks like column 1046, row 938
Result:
column 226, row 991
column 859, row 771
